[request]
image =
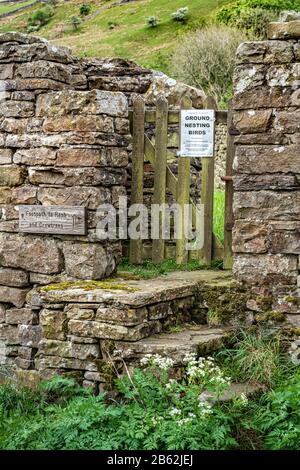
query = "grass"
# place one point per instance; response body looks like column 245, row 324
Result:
column 149, row 270
column 256, row 357
column 219, row 207
column 5, row 8
column 131, row 38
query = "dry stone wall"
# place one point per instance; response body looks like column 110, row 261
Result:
column 266, row 239
column 65, row 141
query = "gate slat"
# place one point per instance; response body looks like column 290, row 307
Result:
column 207, row 198
column 183, row 195
column 137, row 185
column 159, row 196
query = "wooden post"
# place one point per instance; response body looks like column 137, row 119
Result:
column 183, row 195
column 159, row 196
column 229, row 218
column 137, row 173
column 207, row 197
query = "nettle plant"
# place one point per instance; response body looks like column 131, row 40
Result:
column 171, row 413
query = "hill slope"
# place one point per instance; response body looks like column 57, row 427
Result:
column 115, row 29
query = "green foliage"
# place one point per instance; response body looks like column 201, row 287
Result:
column 277, row 415
column 181, row 15
column 40, row 18
column 75, row 22
column 257, row 357
column 152, row 21
column 206, row 60
column 85, row 9
column 153, row 412
column 253, row 16
column 149, row 270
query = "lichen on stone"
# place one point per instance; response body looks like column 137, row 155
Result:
column 107, row 284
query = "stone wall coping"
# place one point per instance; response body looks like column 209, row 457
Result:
column 284, row 30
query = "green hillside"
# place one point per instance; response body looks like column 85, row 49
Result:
column 120, row 30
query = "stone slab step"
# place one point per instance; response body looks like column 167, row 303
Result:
column 200, row 340
column 235, row 390
column 134, row 293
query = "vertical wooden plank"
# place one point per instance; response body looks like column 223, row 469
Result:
column 159, row 196
column 183, row 195
column 138, row 129
column 207, row 197
column 229, row 218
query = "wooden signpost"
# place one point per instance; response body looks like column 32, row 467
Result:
column 63, row 220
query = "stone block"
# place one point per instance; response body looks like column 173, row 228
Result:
column 160, row 311
column 284, row 30
column 5, row 156
column 265, row 52
column 68, row 349
column 266, row 269
column 79, row 124
column 19, row 109
column 264, row 159
column 88, row 261
column 30, row 335
column 56, row 362
column 272, row 181
column 13, row 295
column 13, row 277
column 21, row 316
column 31, row 253
column 287, row 121
column 9, row 334
column 80, row 177
column 252, row 121
column 122, row 316
column 82, row 102
column 285, row 237
column 54, row 324
column 35, row 156
column 250, row 237
column 74, row 196
column 113, row 332
column 11, row 175
column 78, row 313
column 267, row 205
column 21, row 126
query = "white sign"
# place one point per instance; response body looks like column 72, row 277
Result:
column 197, row 133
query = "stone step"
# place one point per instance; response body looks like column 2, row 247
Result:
column 200, row 340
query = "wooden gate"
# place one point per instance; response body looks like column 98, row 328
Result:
column 179, row 186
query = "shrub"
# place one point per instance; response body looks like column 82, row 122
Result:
column 206, row 59
column 75, row 22
column 255, row 21
column 85, row 9
column 152, row 21
column 40, row 18
column 181, row 15
column 254, row 15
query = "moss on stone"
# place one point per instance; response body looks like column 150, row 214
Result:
column 107, row 284
column 270, row 316
column 264, row 302
column 295, row 331
column 224, row 304
column 292, row 300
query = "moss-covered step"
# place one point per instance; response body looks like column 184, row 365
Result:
column 200, row 340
